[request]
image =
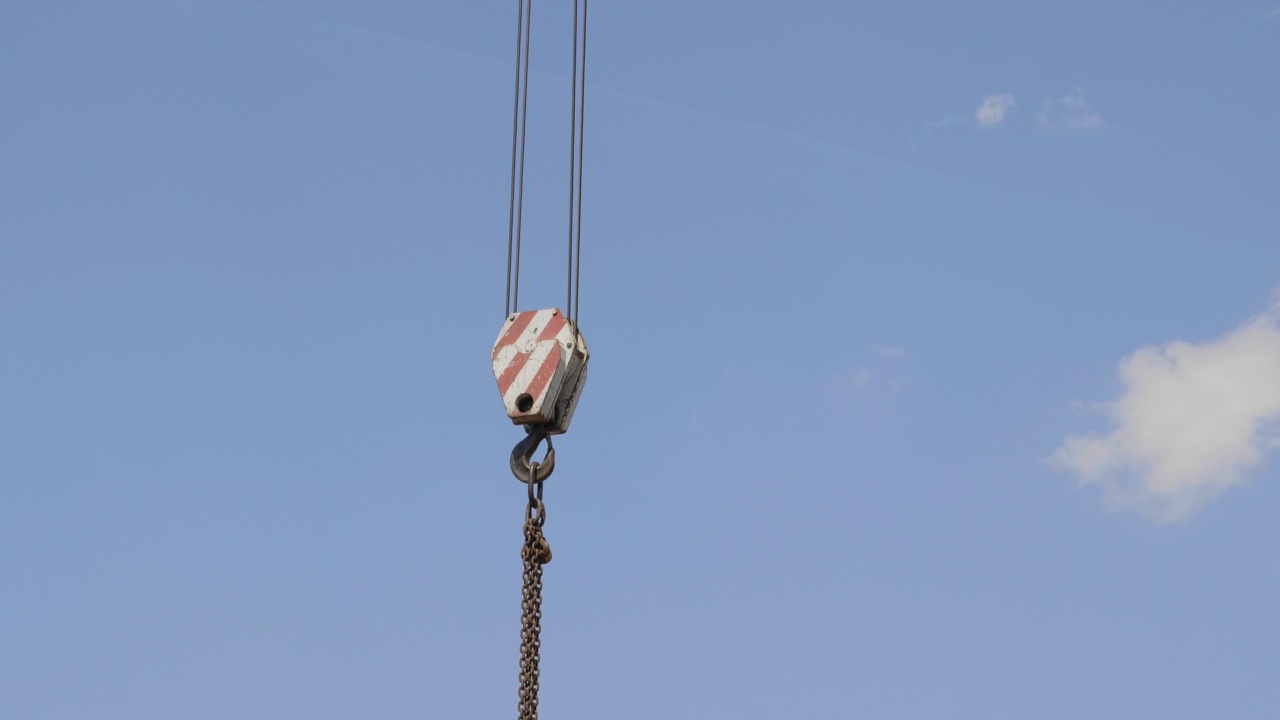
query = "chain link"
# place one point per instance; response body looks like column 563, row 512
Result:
column 535, row 553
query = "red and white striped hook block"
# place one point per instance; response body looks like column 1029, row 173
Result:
column 540, row 362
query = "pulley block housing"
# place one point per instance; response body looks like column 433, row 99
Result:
column 540, row 362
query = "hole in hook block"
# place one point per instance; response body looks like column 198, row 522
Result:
column 524, row 403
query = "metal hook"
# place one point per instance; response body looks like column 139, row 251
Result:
column 522, row 464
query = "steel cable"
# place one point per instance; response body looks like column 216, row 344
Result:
column 515, row 138
column 519, row 123
column 519, row 135
column 582, row 129
column 577, row 132
column 573, row 162
column 524, row 126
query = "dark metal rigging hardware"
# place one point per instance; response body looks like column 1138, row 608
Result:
column 540, row 363
column 522, row 463
column 534, row 553
column 540, row 358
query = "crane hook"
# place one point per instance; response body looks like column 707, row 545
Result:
column 522, row 464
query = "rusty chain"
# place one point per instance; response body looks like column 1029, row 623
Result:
column 535, row 553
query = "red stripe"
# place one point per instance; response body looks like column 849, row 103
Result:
column 554, row 326
column 513, row 333
column 511, row 371
column 545, row 373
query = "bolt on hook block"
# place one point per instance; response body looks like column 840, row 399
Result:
column 540, row 362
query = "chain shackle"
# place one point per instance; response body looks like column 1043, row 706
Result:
column 535, row 511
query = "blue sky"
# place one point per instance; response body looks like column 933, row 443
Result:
column 936, row 360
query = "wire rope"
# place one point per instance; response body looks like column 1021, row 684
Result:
column 519, row 144
column 582, row 129
column 573, row 162
column 524, row 127
column 519, row 125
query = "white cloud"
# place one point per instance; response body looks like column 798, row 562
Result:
column 883, row 369
column 862, row 378
column 993, row 109
column 1193, row 422
column 1071, row 113
column 943, row 124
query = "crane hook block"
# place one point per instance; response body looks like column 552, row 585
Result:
column 540, row 361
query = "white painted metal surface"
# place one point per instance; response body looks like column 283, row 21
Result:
column 540, row 362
